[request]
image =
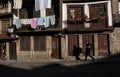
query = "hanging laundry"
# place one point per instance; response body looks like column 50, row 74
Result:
column 42, row 4
column 47, row 21
column 48, row 3
column 86, row 10
column 17, row 4
column 87, row 25
column 37, row 5
column 34, row 23
column 41, row 21
column 18, row 23
column 25, row 21
column 9, row 6
column 52, row 19
column 14, row 21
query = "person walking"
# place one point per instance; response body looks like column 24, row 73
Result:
column 76, row 52
column 88, row 50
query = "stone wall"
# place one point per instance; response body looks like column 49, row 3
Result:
column 115, row 6
column 115, row 35
column 115, row 41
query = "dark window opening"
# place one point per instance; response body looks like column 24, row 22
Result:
column 54, row 10
column 25, row 43
column 28, row 9
column 40, row 43
column 101, row 10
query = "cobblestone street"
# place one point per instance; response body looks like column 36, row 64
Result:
column 108, row 67
column 33, row 64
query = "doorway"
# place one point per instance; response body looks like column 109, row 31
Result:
column 103, row 45
column 56, row 47
column 3, row 51
column 72, row 40
column 90, row 39
column 12, row 51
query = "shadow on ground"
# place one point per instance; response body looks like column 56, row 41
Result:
column 108, row 67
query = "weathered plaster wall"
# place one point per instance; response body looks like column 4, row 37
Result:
column 115, row 6
column 115, row 41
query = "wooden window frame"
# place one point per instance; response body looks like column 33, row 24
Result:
column 25, row 43
column 39, row 43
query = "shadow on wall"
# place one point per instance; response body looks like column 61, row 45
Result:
column 108, row 67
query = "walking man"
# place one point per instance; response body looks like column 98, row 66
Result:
column 88, row 50
column 76, row 52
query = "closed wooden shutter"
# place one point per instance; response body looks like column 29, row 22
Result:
column 25, row 43
column 40, row 43
column 103, row 45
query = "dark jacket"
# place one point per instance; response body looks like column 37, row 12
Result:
column 88, row 49
column 77, row 51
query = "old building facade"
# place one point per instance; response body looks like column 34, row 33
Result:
column 59, row 27
column 114, row 36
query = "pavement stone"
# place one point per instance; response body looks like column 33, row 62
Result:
column 33, row 64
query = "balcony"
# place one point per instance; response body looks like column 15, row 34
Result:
column 95, row 24
column 7, row 39
column 40, row 29
column 7, row 35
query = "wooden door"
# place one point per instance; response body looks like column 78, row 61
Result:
column 12, row 51
column 56, row 53
column 72, row 40
column 103, row 42
column 90, row 39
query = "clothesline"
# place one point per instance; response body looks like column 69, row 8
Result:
column 35, row 22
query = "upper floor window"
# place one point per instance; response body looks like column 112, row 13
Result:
column 32, row 19
column 5, row 6
column 101, row 10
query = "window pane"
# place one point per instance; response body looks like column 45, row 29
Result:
column 25, row 43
